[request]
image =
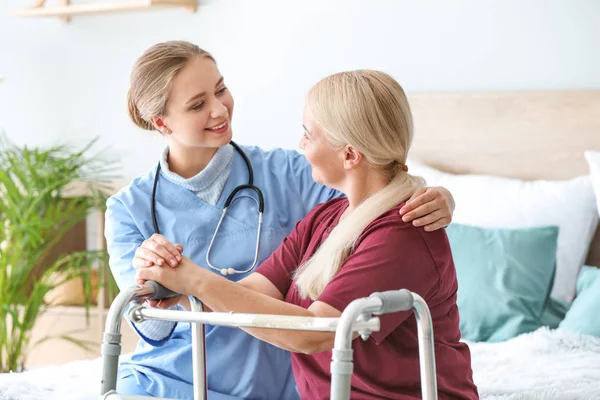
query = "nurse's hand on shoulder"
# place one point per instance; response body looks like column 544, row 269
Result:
column 430, row 207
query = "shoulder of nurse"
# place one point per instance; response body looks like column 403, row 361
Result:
column 140, row 186
column 273, row 158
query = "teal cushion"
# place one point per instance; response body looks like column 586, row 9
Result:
column 504, row 279
column 554, row 312
column 583, row 316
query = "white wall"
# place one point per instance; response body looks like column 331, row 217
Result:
column 68, row 81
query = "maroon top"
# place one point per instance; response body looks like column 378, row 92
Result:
column 389, row 254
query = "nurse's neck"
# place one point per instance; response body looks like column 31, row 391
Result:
column 189, row 161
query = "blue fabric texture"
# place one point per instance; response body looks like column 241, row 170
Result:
column 156, row 332
column 504, row 279
column 583, row 315
column 238, row 365
column 207, row 185
column 134, row 384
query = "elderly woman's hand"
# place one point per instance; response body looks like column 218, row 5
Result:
column 181, row 279
column 430, row 207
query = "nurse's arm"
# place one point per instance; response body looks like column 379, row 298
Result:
column 430, row 207
column 123, row 237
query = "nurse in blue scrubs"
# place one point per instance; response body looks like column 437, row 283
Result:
column 177, row 90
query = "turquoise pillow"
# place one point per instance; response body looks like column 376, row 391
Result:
column 504, row 279
column 583, row 316
column 554, row 312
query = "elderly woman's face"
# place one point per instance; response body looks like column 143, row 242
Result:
column 325, row 160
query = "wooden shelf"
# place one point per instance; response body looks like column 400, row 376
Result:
column 66, row 10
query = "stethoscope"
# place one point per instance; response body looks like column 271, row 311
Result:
column 249, row 185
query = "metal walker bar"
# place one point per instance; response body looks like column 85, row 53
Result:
column 357, row 317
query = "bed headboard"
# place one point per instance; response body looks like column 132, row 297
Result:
column 525, row 135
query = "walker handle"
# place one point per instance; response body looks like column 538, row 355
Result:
column 394, row 300
column 160, row 292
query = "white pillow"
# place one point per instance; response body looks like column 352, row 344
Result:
column 495, row 202
column 593, row 159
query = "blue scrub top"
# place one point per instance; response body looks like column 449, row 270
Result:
column 238, row 364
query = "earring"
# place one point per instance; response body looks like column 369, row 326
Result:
column 167, row 131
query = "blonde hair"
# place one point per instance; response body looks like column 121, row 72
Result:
column 369, row 111
column 151, row 79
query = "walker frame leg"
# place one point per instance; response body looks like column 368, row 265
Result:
column 378, row 304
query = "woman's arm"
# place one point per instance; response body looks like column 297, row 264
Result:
column 222, row 295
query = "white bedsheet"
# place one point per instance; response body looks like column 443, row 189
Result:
column 545, row 364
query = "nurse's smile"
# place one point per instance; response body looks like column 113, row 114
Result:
column 220, row 128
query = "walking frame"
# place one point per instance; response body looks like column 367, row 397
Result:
column 359, row 316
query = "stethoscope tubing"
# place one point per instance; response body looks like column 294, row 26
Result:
column 230, row 199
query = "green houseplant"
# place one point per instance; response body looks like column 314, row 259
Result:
column 43, row 193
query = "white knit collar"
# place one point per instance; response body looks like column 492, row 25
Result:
column 218, row 165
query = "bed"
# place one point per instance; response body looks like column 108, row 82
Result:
column 545, row 364
column 521, row 135
column 539, row 135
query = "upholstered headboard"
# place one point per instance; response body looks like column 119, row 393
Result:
column 525, row 135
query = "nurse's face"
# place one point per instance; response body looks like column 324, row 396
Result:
column 199, row 106
column 326, row 161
